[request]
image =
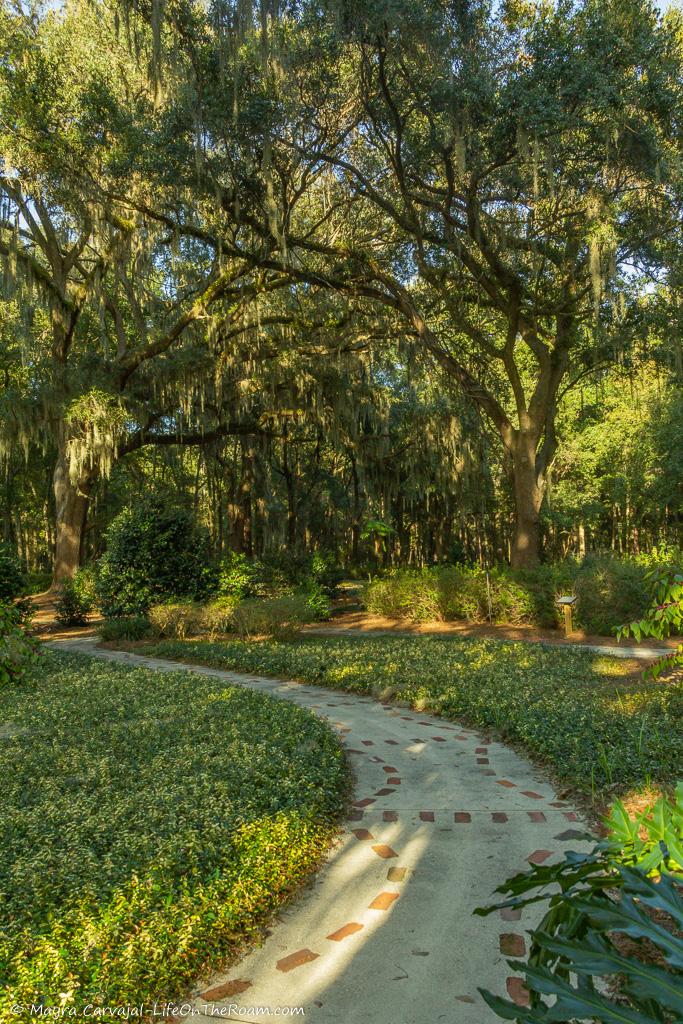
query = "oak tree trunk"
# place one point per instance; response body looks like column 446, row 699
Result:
column 529, row 489
column 71, row 513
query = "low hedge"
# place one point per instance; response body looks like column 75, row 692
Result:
column 568, row 708
column 150, row 822
column 610, row 591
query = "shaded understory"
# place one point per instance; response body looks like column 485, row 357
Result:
column 150, row 822
column 596, row 727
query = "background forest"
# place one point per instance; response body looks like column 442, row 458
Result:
column 399, row 285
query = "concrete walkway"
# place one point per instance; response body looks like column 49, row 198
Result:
column 385, row 933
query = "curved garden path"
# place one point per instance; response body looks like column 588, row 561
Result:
column 384, row 934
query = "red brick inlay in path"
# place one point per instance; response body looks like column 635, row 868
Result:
column 363, row 803
column 394, row 781
column 536, row 815
column 298, row 959
column 229, row 988
column 481, row 750
column 518, row 991
column 384, row 792
column 348, row 929
column 383, row 901
column 538, row 856
column 506, row 782
column 530, row 793
column 384, row 851
column 362, row 833
column 483, row 760
column 378, row 760
column 439, row 739
column 396, row 874
column 389, row 816
column 512, row 945
column 394, row 743
column 388, row 769
column 355, row 815
column 368, row 743
column 511, row 913
column 499, row 817
column 570, row 815
column 462, row 817
column 426, row 815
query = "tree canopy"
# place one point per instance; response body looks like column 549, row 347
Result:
column 330, row 264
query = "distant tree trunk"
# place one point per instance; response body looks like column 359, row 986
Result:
column 72, row 497
column 529, row 489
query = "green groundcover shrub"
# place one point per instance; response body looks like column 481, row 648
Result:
column 566, row 707
column 150, row 823
column 154, row 551
column 609, row 592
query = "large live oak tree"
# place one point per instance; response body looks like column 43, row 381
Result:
column 520, row 163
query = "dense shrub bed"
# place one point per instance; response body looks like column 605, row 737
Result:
column 149, row 822
column 566, row 707
column 610, row 592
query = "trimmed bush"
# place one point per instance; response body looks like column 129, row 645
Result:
column 154, row 552
column 11, row 576
column 451, row 593
column 129, row 627
column 18, row 651
column 76, row 598
column 609, row 591
column 278, row 617
column 176, row 620
column 170, row 814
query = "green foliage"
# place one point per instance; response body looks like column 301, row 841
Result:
column 278, row 617
column 276, row 575
column 176, row 619
column 11, row 576
column 317, row 601
column 608, row 590
column 37, row 582
column 76, row 598
column 170, row 813
column 183, row 619
column 238, row 576
column 565, row 707
column 451, row 593
column 664, row 617
column 18, row 651
column 653, row 839
column 579, row 939
column 128, row 627
column 604, row 896
column 154, row 551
